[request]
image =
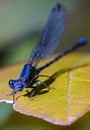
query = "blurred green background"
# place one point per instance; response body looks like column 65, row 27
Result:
column 21, row 25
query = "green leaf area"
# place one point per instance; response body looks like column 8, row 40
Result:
column 68, row 98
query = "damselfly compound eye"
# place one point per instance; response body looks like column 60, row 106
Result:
column 11, row 84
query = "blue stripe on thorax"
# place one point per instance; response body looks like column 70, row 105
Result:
column 25, row 71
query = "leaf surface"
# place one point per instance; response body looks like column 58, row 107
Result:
column 69, row 97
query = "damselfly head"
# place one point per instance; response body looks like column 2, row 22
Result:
column 17, row 84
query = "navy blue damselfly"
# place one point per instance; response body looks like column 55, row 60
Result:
column 45, row 47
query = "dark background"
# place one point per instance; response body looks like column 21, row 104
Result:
column 21, row 25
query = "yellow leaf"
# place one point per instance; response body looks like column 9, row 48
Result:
column 69, row 97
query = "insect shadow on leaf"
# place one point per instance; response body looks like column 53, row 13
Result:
column 50, row 80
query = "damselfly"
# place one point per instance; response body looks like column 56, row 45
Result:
column 45, row 47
